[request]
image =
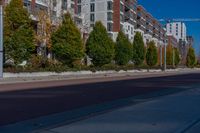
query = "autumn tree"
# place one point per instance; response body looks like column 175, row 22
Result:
column 67, row 43
column 169, row 55
column 18, row 32
column 44, row 31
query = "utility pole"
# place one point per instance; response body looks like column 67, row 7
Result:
column 1, row 41
column 165, row 57
column 161, row 61
column 173, row 52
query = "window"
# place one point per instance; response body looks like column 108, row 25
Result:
column 91, row 25
column 109, row 16
column 54, row 3
column 79, row 1
column 109, row 5
column 92, row 19
column 64, row 4
column 109, row 26
column 92, row 7
column 131, row 30
column 72, row 5
column 79, row 9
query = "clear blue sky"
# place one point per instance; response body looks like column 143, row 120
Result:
column 177, row 9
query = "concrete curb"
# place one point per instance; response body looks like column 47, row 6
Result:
column 83, row 73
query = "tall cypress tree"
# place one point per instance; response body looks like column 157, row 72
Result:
column 152, row 54
column 67, row 43
column 191, row 58
column 169, row 55
column 123, row 49
column 18, row 32
column 99, row 46
column 177, row 56
column 138, row 49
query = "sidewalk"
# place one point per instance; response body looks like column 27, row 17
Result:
column 177, row 113
column 10, row 78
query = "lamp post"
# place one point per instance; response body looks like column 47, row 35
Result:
column 173, row 56
column 161, row 60
column 1, row 41
column 165, row 56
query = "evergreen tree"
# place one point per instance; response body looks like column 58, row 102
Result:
column 67, row 44
column 138, row 49
column 123, row 49
column 169, row 55
column 191, row 58
column 177, row 56
column 152, row 54
column 18, row 32
column 99, row 46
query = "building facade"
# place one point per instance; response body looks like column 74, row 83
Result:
column 116, row 15
column 172, row 41
column 124, row 15
column 190, row 40
column 40, row 10
column 55, row 7
column 178, row 30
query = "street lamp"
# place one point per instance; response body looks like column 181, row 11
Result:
column 161, row 60
column 1, row 41
column 165, row 56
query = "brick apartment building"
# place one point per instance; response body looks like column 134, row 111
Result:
column 116, row 15
column 57, row 7
column 172, row 41
column 54, row 8
column 179, row 31
column 190, row 40
column 125, row 15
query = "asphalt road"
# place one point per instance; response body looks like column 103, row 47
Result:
column 20, row 105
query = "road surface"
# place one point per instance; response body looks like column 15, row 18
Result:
column 24, row 104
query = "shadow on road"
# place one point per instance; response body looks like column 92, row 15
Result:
column 23, row 105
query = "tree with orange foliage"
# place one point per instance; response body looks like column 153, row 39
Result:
column 169, row 58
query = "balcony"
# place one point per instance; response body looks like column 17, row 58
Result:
column 41, row 2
